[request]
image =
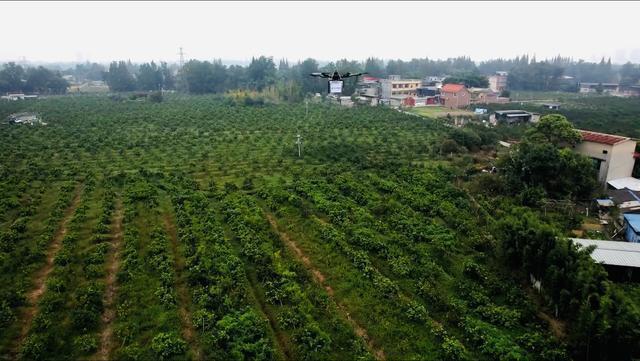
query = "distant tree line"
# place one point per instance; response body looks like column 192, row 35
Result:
column 16, row 79
column 291, row 80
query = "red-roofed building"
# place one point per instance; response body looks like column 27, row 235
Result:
column 601, row 138
column 612, row 155
column 455, row 96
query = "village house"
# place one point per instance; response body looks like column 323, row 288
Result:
column 606, row 88
column 455, row 96
column 486, row 96
column 612, row 155
column 498, row 81
column 395, row 86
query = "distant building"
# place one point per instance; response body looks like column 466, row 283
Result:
column 593, row 87
column 427, row 91
column 498, row 81
column 486, row 96
column 24, row 118
column 612, row 155
column 552, row 106
column 18, row 96
column 455, row 96
column 513, row 117
column 395, row 86
column 96, row 86
column 433, row 81
column 629, row 90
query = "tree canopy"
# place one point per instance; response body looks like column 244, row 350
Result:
column 544, row 161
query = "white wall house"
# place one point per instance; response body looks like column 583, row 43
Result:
column 612, row 154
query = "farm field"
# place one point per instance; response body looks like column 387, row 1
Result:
column 601, row 113
column 190, row 229
column 437, row 111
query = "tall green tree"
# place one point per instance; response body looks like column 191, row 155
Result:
column 149, row 77
column 261, row 72
column 119, row 78
column 544, row 160
column 204, row 77
column 375, row 67
column 11, row 78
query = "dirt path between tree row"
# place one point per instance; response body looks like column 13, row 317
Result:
column 113, row 264
column 40, row 278
column 320, row 279
column 188, row 330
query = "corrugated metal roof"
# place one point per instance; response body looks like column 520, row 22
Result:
column 626, row 182
column 633, row 220
column 613, row 253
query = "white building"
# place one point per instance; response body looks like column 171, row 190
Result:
column 612, row 154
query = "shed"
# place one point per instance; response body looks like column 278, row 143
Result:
column 632, row 227
column 620, row 259
column 552, row 106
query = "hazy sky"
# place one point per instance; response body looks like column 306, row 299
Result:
column 143, row 31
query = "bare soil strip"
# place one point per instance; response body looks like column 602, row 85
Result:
column 188, row 330
column 113, row 264
column 40, row 278
column 281, row 341
column 320, row 279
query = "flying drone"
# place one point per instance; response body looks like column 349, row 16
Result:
column 335, row 80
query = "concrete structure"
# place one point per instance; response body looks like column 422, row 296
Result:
column 607, row 88
column 433, row 81
column 629, row 90
column 612, row 155
column 552, row 106
column 18, row 96
column 498, row 82
column 486, row 96
column 96, row 86
column 427, row 91
column 455, row 96
column 513, row 117
column 394, row 86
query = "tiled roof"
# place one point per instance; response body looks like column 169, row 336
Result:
column 601, row 138
column 452, row 88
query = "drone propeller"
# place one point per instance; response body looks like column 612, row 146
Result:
column 348, row 74
column 321, row 75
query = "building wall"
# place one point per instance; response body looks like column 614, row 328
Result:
column 622, row 161
column 456, row 100
column 595, row 150
column 616, row 163
column 497, row 83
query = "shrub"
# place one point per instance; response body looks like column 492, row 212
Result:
column 168, row 345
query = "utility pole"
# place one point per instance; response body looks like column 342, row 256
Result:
column 299, row 143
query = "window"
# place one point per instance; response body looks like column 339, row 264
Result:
column 604, row 151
